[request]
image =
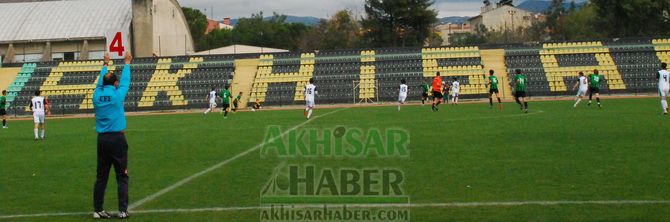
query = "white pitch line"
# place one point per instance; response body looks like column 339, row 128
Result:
column 219, row 165
column 431, row 205
column 44, row 215
column 542, row 203
column 410, row 205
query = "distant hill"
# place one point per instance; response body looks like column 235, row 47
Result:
column 454, row 19
column 307, row 20
column 540, row 6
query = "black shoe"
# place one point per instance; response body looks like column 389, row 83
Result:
column 525, row 111
column 123, row 215
column 101, row 215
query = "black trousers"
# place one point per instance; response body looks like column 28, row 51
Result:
column 112, row 150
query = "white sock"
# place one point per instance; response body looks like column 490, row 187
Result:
column 42, row 134
column 664, row 104
column 455, row 99
column 36, row 135
column 577, row 103
column 207, row 111
column 309, row 113
column 398, row 106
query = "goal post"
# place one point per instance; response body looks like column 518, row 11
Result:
column 356, row 94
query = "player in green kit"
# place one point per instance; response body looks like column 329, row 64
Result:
column 225, row 97
column 520, row 90
column 424, row 96
column 493, row 88
column 594, row 86
column 236, row 101
column 3, row 111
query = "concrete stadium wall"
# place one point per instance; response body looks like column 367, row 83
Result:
column 142, row 28
column 27, row 48
column 171, row 35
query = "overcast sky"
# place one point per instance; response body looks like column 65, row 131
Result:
column 316, row 8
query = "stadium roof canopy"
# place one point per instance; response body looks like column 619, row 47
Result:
column 62, row 20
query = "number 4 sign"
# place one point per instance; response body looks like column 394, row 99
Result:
column 117, row 43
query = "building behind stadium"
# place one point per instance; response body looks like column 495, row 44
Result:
column 502, row 16
column 38, row 30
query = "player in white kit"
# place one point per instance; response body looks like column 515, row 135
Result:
column 39, row 106
column 583, row 84
column 664, row 86
column 455, row 89
column 212, row 100
column 310, row 91
column 402, row 93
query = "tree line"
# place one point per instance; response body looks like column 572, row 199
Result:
column 409, row 23
column 386, row 24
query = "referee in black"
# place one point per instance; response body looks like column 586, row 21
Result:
column 110, row 123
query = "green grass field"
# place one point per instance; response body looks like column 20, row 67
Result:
column 463, row 154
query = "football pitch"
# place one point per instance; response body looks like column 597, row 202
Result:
column 464, row 163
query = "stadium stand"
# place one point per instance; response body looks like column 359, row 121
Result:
column 337, row 73
column 637, row 65
column 463, row 63
column 395, row 65
column 157, row 84
column 20, row 81
column 553, row 69
column 343, row 76
column 277, row 79
column 529, row 62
